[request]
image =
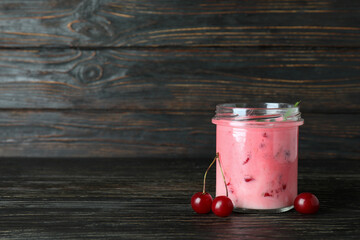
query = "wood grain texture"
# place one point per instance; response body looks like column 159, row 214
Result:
column 154, row 134
column 149, row 199
column 327, row 81
column 59, row 23
column 140, row 78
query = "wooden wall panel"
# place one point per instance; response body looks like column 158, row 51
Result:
column 181, row 134
column 327, row 81
column 99, row 23
column 139, row 78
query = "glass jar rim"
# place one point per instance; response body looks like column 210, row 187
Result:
column 257, row 105
column 258, row 113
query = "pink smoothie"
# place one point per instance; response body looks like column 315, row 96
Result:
column 259, row 162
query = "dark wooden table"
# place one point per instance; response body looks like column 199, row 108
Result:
column 149, row 199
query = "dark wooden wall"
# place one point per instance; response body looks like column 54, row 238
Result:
column 141, row 78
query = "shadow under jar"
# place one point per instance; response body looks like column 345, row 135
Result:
column 258, row 151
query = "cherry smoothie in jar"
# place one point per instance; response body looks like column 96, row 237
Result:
column 258, row 151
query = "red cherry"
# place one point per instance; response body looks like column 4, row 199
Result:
column 306, row 203
column 222, row 206
column 201, row 202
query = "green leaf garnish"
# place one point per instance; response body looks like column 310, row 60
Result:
column 290, row 111
column 286, row 115
column 297, row 103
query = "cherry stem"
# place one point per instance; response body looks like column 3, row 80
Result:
column 207, row 172
column 222, row 173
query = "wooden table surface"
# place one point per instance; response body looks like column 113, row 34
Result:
column 149, row 199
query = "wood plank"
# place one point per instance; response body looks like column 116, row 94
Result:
column 181, row 134
column 149, row 199
column 59, row 23
column 177, row 79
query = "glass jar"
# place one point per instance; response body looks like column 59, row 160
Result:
column 258, row 150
